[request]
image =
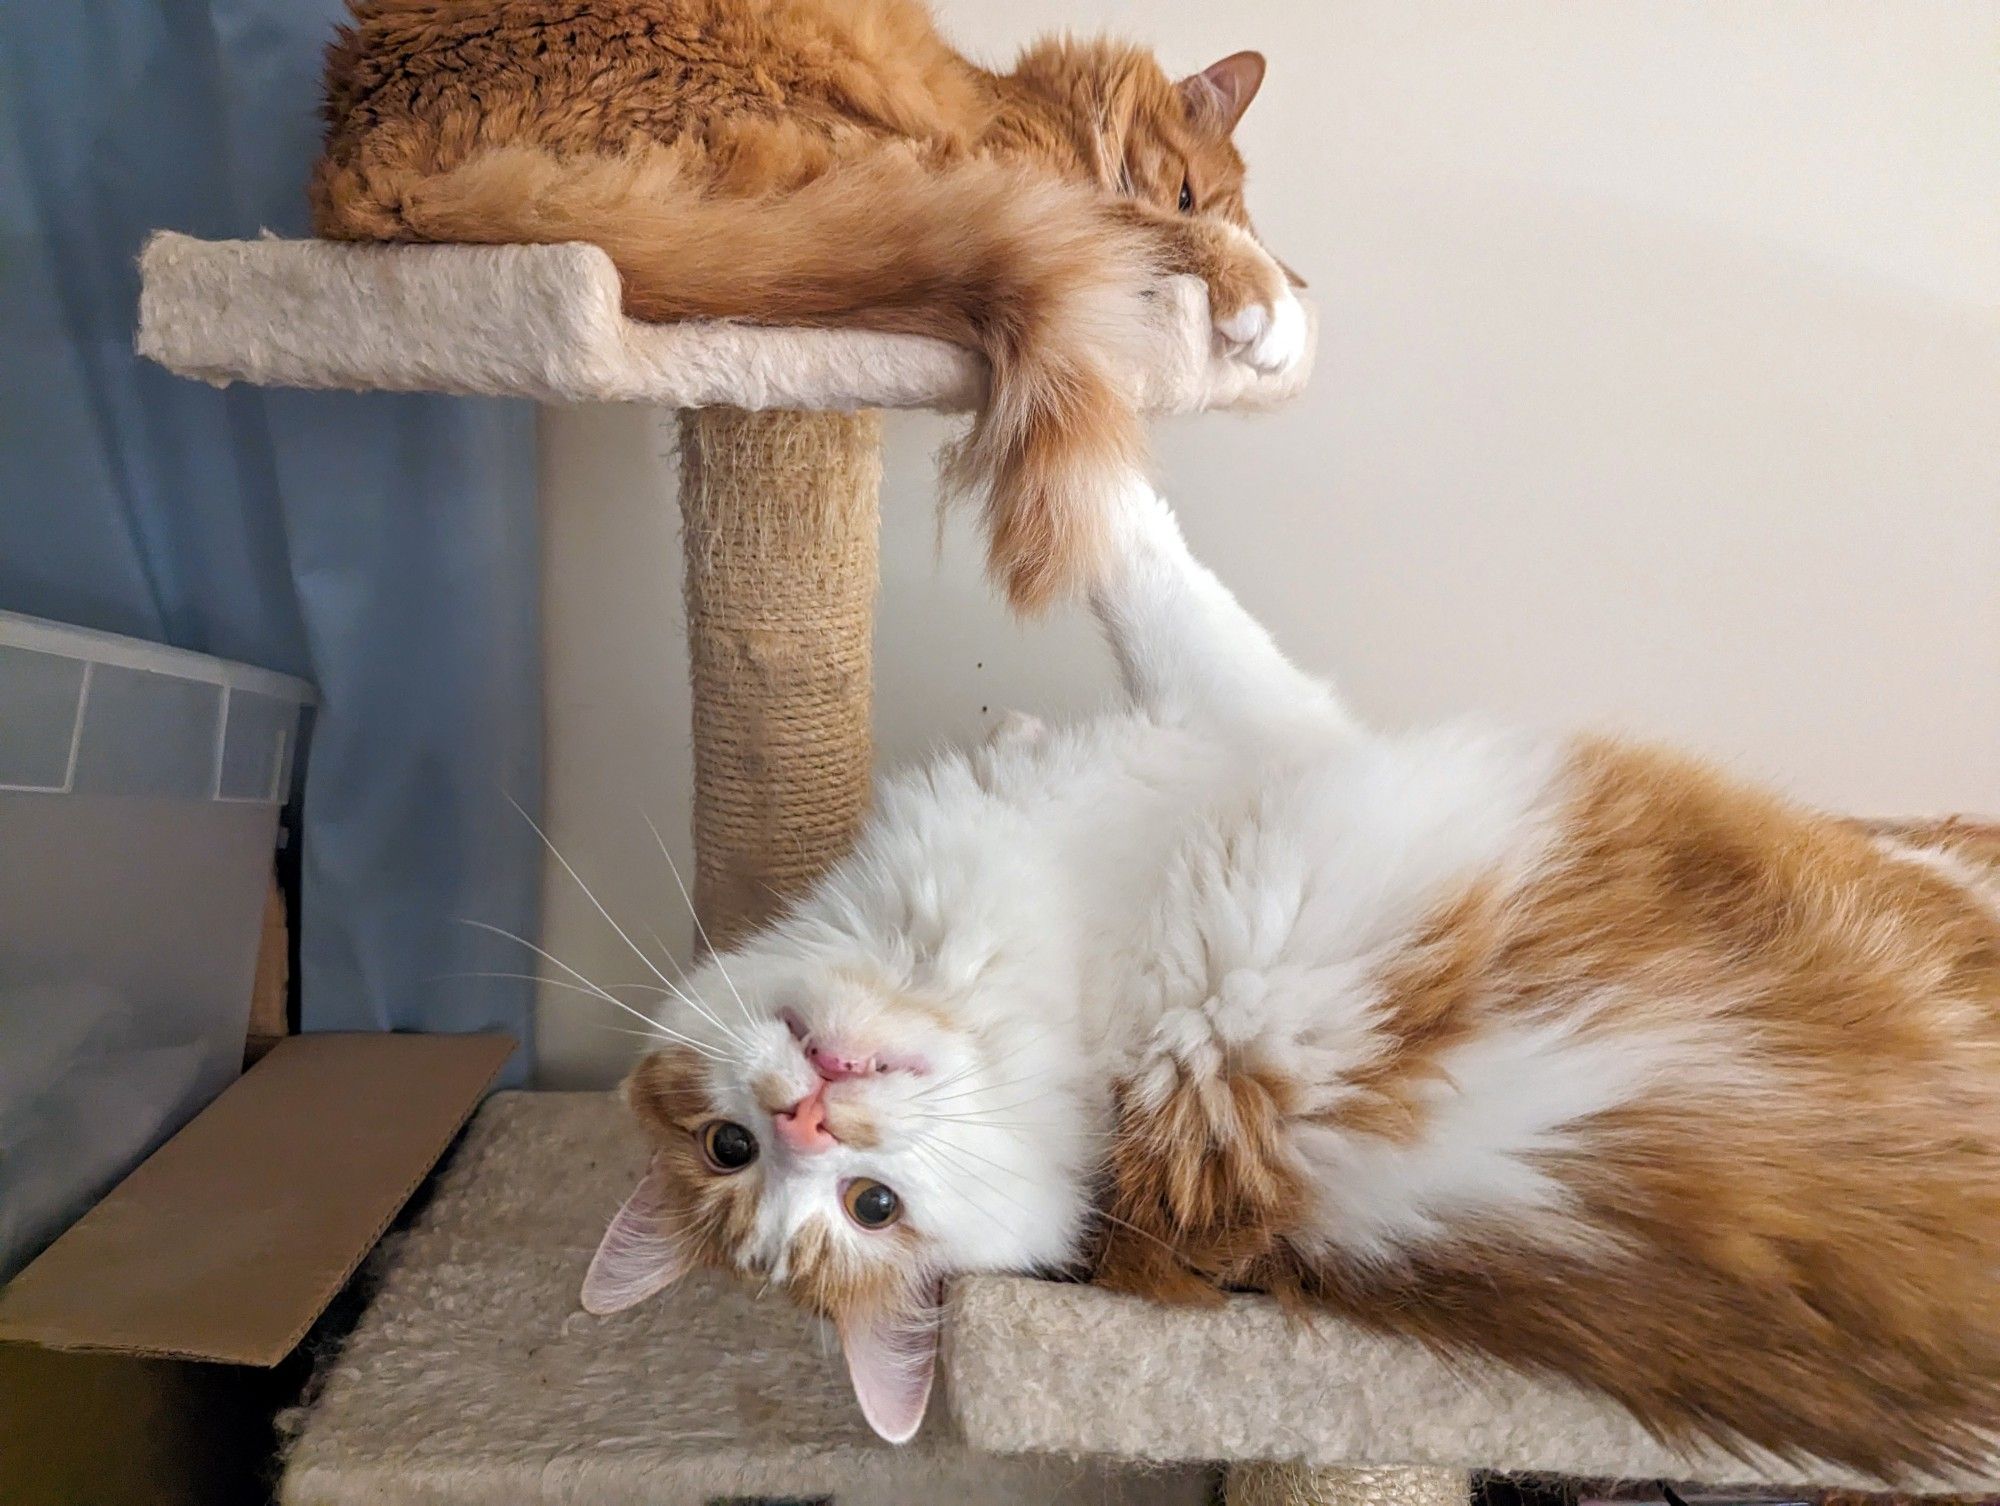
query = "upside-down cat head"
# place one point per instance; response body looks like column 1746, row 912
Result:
column 837, row 1122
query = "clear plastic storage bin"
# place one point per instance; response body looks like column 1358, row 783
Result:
column 139, row 797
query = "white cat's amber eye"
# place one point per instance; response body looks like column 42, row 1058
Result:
column 726, row 1146
column 870, row 1204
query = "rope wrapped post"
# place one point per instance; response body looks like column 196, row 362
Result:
column 1300, row 1485
column 779, row 518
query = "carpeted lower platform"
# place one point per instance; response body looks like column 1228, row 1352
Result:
column 474, row 1379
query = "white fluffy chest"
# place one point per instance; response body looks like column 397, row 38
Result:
column 1281, row 896
column 1269, row 933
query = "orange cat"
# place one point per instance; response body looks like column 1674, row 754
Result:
column 833, row 162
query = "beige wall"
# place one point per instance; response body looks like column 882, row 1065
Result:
column 1659, row 388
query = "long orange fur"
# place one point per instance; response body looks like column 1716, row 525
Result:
column 1803, row 1260
column 1795, row 1251
column 821, row 162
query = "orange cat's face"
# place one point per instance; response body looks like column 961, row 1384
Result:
column 1177, row 152
column 1161, row 141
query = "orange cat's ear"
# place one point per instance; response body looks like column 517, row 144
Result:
column 1219, row 94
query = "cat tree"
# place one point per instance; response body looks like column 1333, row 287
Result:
column 473, row 1378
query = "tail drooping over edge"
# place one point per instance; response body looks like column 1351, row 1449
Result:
column 1024, row 268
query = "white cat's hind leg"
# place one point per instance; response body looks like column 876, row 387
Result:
column 1017, row 729
column 1184, row 644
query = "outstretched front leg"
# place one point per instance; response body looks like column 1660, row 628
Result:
column 1185, row 646
column 1250, row 300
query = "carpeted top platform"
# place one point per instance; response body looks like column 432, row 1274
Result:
column 474, row 1377
column 544, row 322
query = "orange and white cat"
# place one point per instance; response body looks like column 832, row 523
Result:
column 1560, row 1050
column 834, row 162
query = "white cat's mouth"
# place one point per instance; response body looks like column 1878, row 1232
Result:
column 834, row 1059
column 827, row 1097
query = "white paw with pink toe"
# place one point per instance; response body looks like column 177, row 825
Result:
column 1270, row 336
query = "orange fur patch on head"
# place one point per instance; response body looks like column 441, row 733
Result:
column 668, row 1091
column 1133, row 125
column 830, row 1276
column 921, row 1007
column 852, row 1125
column 774, row 1093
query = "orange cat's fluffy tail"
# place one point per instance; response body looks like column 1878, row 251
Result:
column 1019, row 266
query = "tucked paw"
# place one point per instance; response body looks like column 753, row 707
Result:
column 1016, row 729
column 1270, row 336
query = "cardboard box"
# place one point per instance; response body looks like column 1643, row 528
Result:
column 144, row 1353
column 271, row 989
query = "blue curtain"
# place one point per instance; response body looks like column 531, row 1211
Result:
column 383, row 547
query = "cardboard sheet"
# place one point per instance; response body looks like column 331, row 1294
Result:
column 230, row 1240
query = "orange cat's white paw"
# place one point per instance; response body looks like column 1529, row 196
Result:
column 1270, row 336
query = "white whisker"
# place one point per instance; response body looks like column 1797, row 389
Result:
column 689, row 995
column 1112, row 1218
column 542, row 978
column 695, row 915
column 672, row 961
column 980, row 1064
column 548, row 982
column 644, row 1035
column 986, row 1064
column 988, row 1160
column 949, row 1170
column 598, row 905
column 1095, row 1212
column 993, row 1087
column 589, row 987
column 983, row 1121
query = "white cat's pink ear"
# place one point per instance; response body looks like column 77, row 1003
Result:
column 1221, row 92
column 890, row 1358
column 640, row 1253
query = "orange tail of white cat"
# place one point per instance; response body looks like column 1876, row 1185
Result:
column 1016, row 265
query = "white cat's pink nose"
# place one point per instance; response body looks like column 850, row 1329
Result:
column 803, row 1126
column 834, row 1065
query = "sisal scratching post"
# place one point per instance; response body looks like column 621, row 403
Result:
column 779, row 515
column 1300, row 1485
